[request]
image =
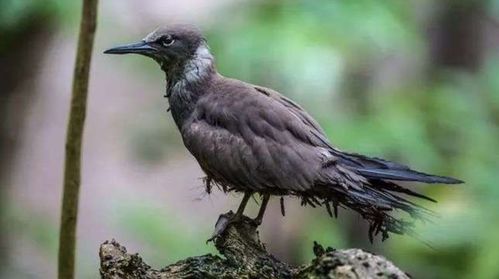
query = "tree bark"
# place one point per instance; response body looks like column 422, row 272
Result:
column 72, row 167
column 244, row 256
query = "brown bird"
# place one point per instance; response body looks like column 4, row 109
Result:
column 251, row 139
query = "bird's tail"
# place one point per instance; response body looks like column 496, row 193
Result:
column 376, row 168
column 377, row 202
column 378, row 198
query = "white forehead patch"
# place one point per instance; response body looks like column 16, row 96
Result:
column 153, row 36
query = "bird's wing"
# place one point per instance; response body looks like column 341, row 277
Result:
column 369, row 167
column 312, row 129
column 254, row 137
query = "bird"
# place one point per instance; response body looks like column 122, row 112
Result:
column 253, row 140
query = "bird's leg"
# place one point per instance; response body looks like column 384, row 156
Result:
column 226, row 219
column 259, row 218
column 242, row 206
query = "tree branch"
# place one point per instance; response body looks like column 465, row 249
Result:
column 244, row 256
column 72, row 167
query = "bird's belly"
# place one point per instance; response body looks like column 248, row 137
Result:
column 251, row 166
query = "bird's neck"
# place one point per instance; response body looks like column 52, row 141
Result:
column 186, row 83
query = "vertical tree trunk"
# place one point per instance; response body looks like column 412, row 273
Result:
column 72, row 168
column 456, row 41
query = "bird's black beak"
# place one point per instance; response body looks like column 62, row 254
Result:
column 139, row 48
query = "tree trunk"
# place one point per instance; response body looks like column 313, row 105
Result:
column 244, row 256
column 456, row 37
column 72, row 166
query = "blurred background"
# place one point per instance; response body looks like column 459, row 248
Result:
column 414, row 81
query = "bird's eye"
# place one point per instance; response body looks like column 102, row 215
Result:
column 167, row 41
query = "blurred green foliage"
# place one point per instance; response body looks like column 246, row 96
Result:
column 14, row 13
column 365, row 71
column 160, row 232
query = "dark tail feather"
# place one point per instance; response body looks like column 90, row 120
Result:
column 375, row 205
column 377, row 198
column 378, row 201
column 405, row 175
column 376, row 168
column 392, row 187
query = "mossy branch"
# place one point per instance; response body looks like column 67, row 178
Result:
column 244, row 256
column 72, row 167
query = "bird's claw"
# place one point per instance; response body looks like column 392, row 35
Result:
column 223, row 222
column 255, row 222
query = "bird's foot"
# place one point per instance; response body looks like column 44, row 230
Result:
column 223, row 222
column 256, row 221
column 229, row 219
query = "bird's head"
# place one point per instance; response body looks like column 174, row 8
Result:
column 174, row 48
